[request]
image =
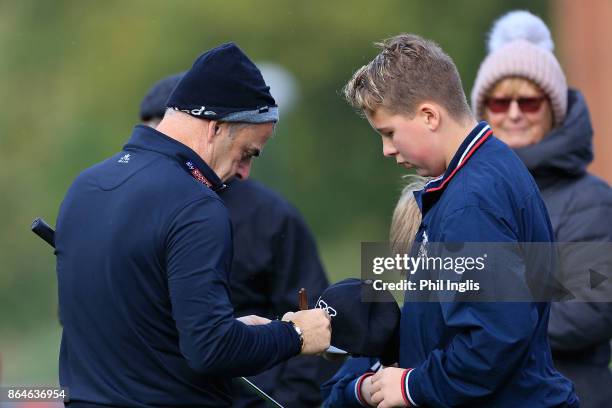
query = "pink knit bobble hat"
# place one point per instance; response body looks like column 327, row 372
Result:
column 520, row 45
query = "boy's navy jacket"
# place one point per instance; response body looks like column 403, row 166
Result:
column 341, row 390
column 143, row 253
column 493, row 354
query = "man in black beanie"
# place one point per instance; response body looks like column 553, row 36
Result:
column 153, row 105
column 275, row 255
column 144, row 248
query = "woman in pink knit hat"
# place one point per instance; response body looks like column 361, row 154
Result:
column 522, row 92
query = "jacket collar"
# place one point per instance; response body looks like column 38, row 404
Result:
column 434, row 188
column 146, row 138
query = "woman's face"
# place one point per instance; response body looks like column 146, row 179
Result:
column 519, row 112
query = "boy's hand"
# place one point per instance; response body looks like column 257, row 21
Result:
column 387, row 388
column 366, row 391
column 316, row 329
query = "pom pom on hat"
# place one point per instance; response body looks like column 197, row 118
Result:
column 520, row 45
column 520, row 25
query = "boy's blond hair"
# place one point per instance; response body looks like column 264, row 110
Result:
column 406, row 216
column 409, row 70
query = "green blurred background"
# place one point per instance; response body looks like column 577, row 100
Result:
column 72, row 76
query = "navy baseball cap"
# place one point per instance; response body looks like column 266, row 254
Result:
column 365, row 328
column 224, row 84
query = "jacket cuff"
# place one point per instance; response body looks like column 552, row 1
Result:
column 408, row 397
column 290, row 345
column 357, row 389
column 352, row 395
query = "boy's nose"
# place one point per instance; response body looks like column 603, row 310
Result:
column 388, row 149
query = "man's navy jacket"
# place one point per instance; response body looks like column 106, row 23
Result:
column 144, row 249
column 490, row 354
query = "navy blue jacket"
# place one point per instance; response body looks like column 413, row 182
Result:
column 482, row 353
column 143, row 254
column 580, row 208
column 490, row 354
column 274, row 256
column 341, row 391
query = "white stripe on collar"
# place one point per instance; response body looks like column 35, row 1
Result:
column 465, row 152
column 433, row 181
column 467, row 149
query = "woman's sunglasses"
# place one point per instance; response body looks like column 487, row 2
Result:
column 526, row 105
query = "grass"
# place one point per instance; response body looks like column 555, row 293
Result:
column 31, row 357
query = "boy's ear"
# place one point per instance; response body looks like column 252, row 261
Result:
column 430, row 113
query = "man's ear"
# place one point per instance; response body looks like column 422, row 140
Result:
column 212, row 130
column 431, row 115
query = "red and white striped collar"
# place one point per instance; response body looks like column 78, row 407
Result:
column 470, row 144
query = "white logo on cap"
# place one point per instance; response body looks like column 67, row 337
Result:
column 330, row 310
column 124, row 159
column 197, row 112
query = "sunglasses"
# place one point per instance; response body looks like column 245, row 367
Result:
column 526, row 104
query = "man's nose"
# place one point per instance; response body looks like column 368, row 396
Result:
column 243, row 171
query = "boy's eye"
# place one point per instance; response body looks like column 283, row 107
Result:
column 385, row 131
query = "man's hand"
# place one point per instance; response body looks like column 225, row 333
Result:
column 253, row 320
column 387, row 388
column 316, row 329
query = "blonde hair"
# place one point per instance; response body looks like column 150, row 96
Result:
column 408, row 70
column 511, row 85
column 406, row 216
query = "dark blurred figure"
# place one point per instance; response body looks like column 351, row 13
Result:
column 522, row 92
column 274, row 256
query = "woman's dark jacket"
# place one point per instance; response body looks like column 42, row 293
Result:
column 580, row 209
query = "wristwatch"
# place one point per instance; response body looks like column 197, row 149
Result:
column 299, row 332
